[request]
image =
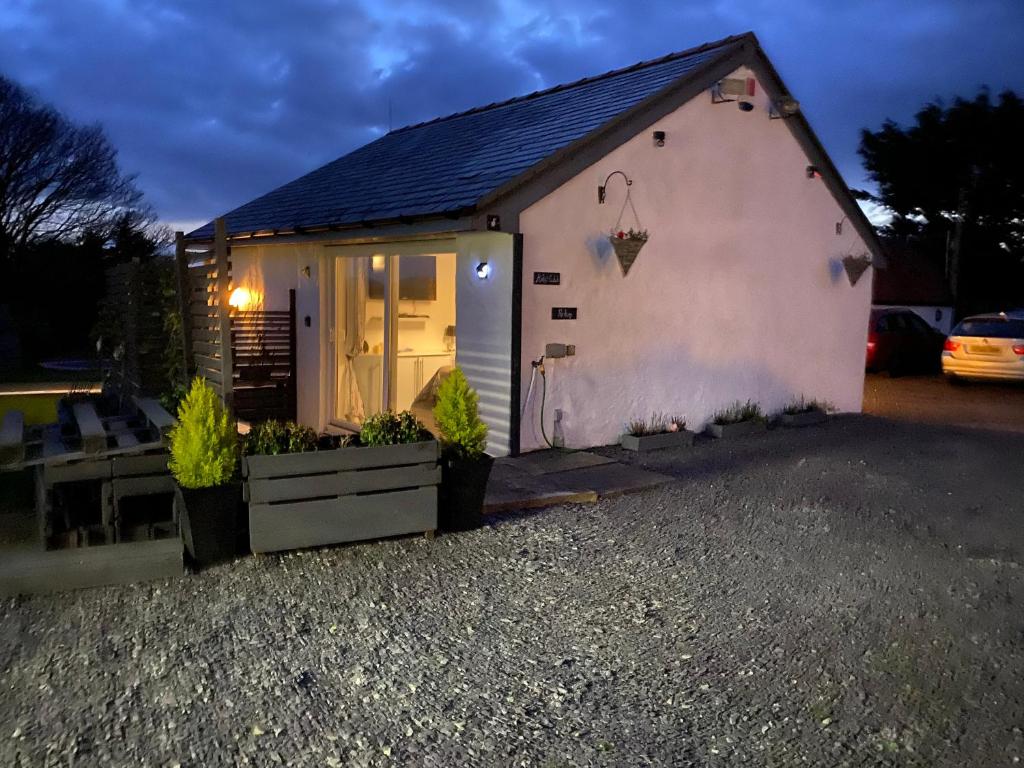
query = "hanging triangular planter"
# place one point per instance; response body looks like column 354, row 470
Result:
column 626, row 249
column 856, row 266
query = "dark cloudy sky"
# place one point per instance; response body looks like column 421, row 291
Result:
column 213, row 102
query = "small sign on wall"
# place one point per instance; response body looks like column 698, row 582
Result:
column 563, row 313
column 547, row 278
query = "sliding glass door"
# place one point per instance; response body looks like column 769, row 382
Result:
column 394, row 331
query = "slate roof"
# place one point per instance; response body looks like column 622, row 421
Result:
column 445, row 166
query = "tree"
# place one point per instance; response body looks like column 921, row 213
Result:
column 954, row 185
column 58, row 180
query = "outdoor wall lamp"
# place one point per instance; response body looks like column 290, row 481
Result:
column 483, row 270
column 602, row 187
column 240, row 298
column 745, row 106
column 813, row 172
column 659, row 138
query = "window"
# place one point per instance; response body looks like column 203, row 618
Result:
column 994, row 328
column 917, row 325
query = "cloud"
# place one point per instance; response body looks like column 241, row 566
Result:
column 214, row 104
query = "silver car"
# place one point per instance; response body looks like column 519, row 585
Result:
column 986, row 347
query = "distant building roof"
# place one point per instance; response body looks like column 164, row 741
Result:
column 911, row 278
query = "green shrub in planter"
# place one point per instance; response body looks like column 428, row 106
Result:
column 204, row 457
column 389, row 428
column 465, row 467
column 271, row 438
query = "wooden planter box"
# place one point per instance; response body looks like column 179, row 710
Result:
column 680, row 439
column 805, row 419
column 26, row 572
column 736, row 430
column 312, row 499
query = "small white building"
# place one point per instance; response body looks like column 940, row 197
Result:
column 479, row 238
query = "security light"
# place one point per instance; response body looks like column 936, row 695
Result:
column 483, row 270
column 782, row 108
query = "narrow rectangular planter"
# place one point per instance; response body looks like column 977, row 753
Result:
column 301, row 500
column 805, row 419
column 680, row 439
column 741, row 429
column 27, row 572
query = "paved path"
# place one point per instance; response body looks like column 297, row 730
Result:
column 933, row 400
column 545, row 478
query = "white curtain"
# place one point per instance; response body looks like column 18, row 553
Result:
column 355, row 274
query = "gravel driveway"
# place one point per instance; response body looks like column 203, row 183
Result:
column 845, row 595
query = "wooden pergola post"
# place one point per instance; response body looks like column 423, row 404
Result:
column 184, row 300
column 221, row 253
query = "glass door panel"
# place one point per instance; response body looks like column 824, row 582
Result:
column 424, row 320
column 358, row 339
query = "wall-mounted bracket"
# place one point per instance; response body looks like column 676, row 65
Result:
column 603, row 187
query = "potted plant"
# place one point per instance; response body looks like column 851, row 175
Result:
column 465, row 468
column 660, row 431
column 306, row 490
column 737, row 420
column 627, row 245
column 803, row 413
column 204, row 456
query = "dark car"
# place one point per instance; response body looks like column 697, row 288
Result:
column 899, row 341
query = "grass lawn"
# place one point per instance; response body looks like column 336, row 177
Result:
column 38, row 409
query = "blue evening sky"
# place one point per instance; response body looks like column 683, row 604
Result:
column 212, row 103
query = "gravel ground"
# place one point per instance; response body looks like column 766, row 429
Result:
column 804, row 597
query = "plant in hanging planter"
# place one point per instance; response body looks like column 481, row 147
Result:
column 204, row 456
column 465, row 468
column 627, row 245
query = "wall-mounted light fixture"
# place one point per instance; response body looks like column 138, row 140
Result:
column 745, row 106
column 240, row 298
column 813, row 172
column 493, row 222
column 377, row 263
column 602, row 187
column 306, row 271
column 659, row 138
column 483, row 270
column 839, row 225
column 782, row 108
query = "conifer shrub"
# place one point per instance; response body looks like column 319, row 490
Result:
column 457, row 412
column 204, row 442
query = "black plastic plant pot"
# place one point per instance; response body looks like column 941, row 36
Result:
column 463, row 487
column 209, row 522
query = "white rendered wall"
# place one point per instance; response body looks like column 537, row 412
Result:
column 737, row 295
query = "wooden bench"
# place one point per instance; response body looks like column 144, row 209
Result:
column 155, row 413
column 12, row 438
column 90, row 427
